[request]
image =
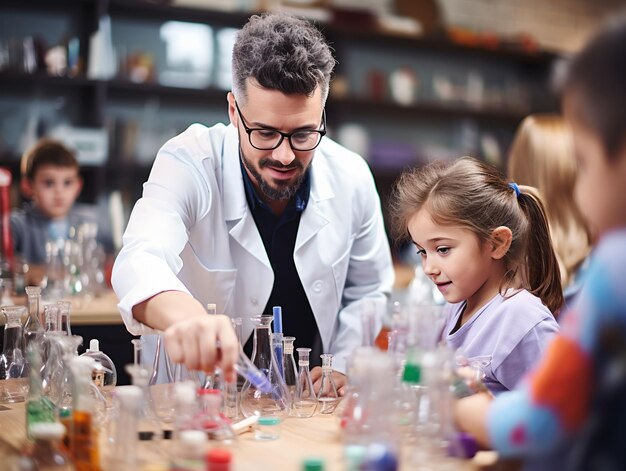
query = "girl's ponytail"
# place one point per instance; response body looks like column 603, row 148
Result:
column 541, row 267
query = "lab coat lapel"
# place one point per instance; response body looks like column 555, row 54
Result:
column 239, row 220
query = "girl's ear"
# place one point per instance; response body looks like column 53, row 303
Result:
column 501, row 238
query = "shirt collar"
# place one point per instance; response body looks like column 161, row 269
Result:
column 298, row 202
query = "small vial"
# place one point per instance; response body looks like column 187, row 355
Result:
column 267, row 428
column 219, row 459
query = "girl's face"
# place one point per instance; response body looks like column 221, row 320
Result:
column 600, row 183
column 456, row 261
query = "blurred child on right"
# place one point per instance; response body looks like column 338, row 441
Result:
column 542, row 156
column 571, row 411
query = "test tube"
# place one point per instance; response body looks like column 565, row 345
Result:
column 256, row 377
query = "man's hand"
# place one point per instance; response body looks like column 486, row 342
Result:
column 202, row 343
column 192, row 337
column 339, row 378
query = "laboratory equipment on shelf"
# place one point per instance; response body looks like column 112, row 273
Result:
column 304, row 401
column 256, row 397
column 327, row 396
column 13, row 370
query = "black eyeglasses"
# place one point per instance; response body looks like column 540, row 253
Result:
column 269, row 139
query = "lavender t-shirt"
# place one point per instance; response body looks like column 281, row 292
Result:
column 509, row 333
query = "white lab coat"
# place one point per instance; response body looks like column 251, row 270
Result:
column 192, row 231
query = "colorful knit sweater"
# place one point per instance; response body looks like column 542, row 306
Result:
column 554, row 401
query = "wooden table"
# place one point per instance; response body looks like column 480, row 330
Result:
column 318, row 436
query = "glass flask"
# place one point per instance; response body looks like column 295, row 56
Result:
column 289, row 365
column 149, row 424
column 162, row 390
column 39, row 408
column 65, row 308
column 276, row 402
column 56, row 372
column 304, row 400
column 48, row 452
column 104, row 375
column 327, row 396
column 211, row 421
column 13, row 370
column 33, row 330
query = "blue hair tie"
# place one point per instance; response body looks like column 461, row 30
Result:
column 515, row 188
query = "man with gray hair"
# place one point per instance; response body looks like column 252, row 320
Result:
column 263, row 212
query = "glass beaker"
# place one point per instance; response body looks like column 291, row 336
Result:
column 304, row 400
column 327, row 396
column 13, row 370
column 253, row 400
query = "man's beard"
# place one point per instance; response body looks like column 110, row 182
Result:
column 286, row 189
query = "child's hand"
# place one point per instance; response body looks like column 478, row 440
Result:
column 339, row 379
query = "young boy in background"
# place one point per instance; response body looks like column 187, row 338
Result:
column 51, row 180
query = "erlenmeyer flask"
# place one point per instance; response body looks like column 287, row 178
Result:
column 254, row 401
column 165, row 374
column 149, row 425
column 13, row 371
column 327, row 396
column 61, row 389
column 289, row 365
column 304, row 400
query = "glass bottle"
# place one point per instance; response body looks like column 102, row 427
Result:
column 13, row 370
column 51, row 318
column 48, row 452
column 327, row 396
column 149, row 424
column 304, row 400
column 33, row 330
column 211, row 421
column 83, row 437
column 39, row 409
column 125, row 442
column 289, row 365
column 275, row 403
column 105, row 374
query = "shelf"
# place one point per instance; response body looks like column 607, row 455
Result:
column 130, row 89
column 13, row 79
column 362, row 106
column 141, row 10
